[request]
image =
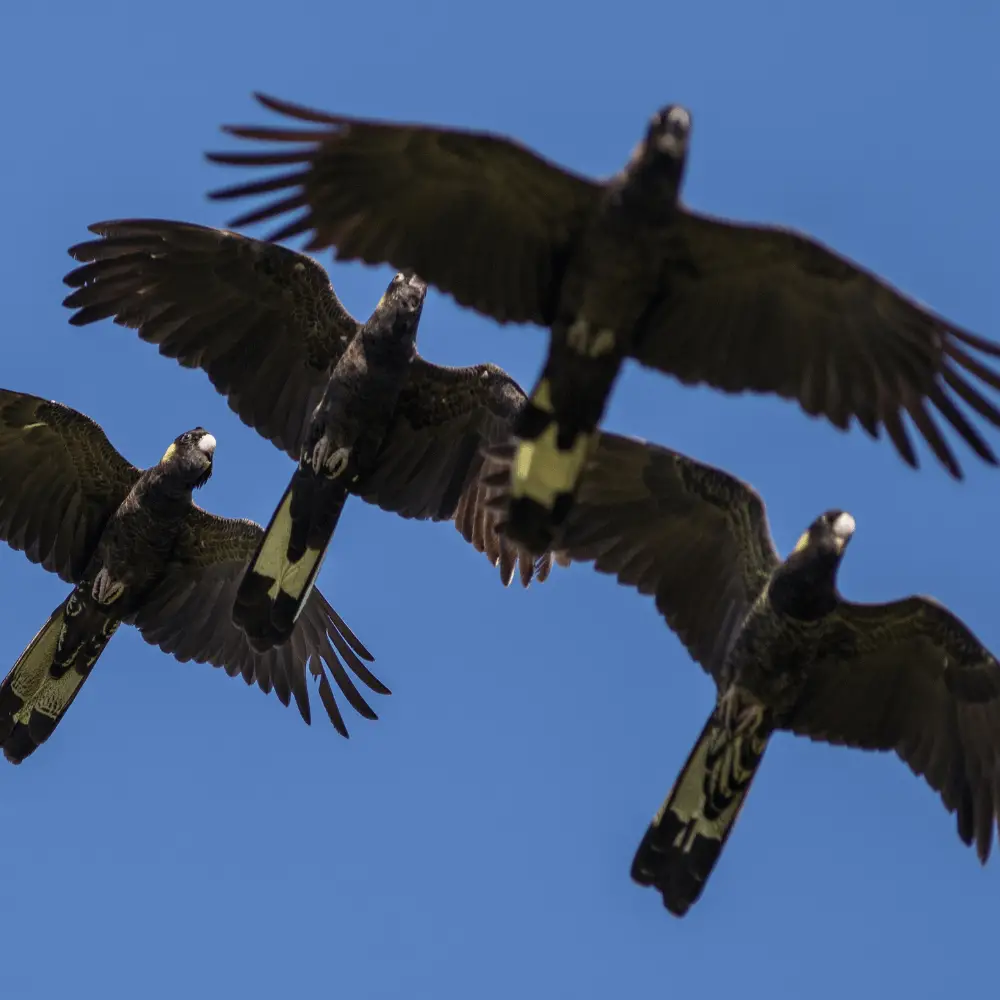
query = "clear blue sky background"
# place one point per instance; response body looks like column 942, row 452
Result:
column 184, row 835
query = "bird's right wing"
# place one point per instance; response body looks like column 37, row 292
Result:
column 694, row 537
column 61, row 479
column 483, row 218
column 263, row 321
column 189, row 615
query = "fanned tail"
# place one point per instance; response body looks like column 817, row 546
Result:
column 283, row 571
column 40, row 688
column 686, row 837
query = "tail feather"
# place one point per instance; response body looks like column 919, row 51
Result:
column 544, row 477
column 283, row 570
column 684, row 841
column 556, row 429
column 48, row 675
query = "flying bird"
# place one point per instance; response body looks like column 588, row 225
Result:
column 138, row 550
column 617, row 268
column 353, row 403
column 785, row 650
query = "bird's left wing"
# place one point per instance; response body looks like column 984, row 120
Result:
column 763, row 309
column 431, row 464
column 909, row 676
column 189, row 615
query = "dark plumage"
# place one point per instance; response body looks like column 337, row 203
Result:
column 342, row 443
column 353, row 403
column 139, row 551
column 618, row 268
column 785, row 649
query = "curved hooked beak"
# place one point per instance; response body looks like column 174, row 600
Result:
column 843, row 530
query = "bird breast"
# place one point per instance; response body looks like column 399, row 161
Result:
column 771, row 658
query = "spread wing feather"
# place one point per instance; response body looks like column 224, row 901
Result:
column 61, row 479
column 911, row 677
column 386, row 192
column 768, row 310
column 263, row 321
column 189, row 615
column 431, row 464
column 692, row 536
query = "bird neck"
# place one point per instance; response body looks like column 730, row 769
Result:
column 164, row 492
column 390, row 344
column 805, row 585
column 654, row 182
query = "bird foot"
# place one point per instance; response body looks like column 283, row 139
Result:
column 750, row 719
column 328, row 461
column 740, row 713
column 106, row 590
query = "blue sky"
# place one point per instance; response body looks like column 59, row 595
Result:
column 182, row 832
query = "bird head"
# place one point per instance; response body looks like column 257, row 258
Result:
column 668, row 133
column 657, row 164
column 828, row 535
column 405, row 295
column 190, row 457
column 398, row 311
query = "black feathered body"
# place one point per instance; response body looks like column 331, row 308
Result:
column 128, row 561
column 785, row 650
column 351, row 419
column 267, row 327
column 136, row 549
column 614, row 274
column 614, row 278
column 786, row 631
column 341, row 445
column 615, row 268
column 138, row 542
column 761, row 680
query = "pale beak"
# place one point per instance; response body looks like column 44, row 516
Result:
column 843, row 529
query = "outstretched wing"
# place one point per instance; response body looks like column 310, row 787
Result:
column 482, row 217
column 263, row 321
column 694, row 537
column 60, row 481
column 431, row 464
column 768, row 310
column 911, row 677
column 189, row 615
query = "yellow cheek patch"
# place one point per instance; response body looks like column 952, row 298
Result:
column 542, row 471
column 169, row 453
column 802, row 542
